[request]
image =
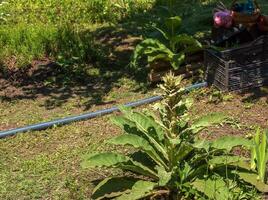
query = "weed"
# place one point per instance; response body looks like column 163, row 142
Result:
column 170, row 161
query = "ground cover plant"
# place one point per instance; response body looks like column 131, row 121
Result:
column 171, row 160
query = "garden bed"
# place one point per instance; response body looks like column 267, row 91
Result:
column 192, row 67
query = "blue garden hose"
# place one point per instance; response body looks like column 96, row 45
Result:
column 68, row 120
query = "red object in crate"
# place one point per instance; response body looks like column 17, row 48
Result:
column 263, row 23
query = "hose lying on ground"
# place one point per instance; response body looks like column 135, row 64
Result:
column 68, row 120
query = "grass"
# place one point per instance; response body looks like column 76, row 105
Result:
column 46, row 164
column 38, row 29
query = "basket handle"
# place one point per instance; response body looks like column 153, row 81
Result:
column 254, row 1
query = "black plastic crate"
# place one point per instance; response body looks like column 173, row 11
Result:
column 239, row 69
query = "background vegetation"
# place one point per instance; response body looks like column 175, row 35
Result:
column 37, row 29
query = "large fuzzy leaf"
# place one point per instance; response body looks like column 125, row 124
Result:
column 139, row 168
column 187, row 43
column 104, row 160
column 164, row 176
column 139, row 190
column 212, row 188
column 229, row 142
column 219, row 164
column 183, row 151
column 208, row 120
column 112, row 187
column 139, row 143
column 122, row 122
column 252, row 178
column 159, row 56
column 151, row 129
column 117, row 161
column 127, row 126
column 202, row 144
column 224, row 160
column 149, row 47
column 145, row 123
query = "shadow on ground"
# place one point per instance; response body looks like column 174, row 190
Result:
column 59, row 82
column 256, row 94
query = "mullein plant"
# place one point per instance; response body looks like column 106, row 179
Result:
column 169, row 160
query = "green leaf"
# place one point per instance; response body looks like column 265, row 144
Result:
column 146, row 124
column 229, row 142
column 184, row 172
column 252, row 178
column 112, row 187
column 212, row 188
column 165, row 34
column 104, row 160
column 177, row 60
column 164, row 176
column 157, row 56
column 186, row 41
column 183, row 151
column 208, row 120
column 153, row 50
column 151, row 129
column 202, row 144
column 261, row 154
column 140, row 189
column 117, row 161
column 122, row 122
column 139, row 168
column 224, row 160
column 173, row 23
column 139, row 143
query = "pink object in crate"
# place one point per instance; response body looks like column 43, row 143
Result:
column 223, row 19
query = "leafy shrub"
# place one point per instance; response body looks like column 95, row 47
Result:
column 170, row 160
column 173, row 50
